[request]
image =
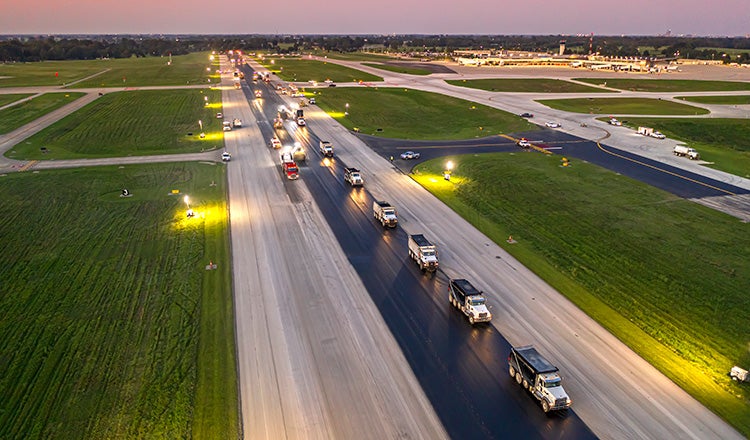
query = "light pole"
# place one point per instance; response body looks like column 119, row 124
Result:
column 448, row 170
column 346, row 113
column 187, row 203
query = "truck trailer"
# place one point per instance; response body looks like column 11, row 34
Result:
column 469, row 300
column 423, row 252
column 384, row 213
column 536, row 374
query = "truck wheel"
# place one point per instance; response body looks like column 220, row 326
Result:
column 519, row 380
column 512, row 371
column 526, row 384
column 545, row 406
column 471, row 320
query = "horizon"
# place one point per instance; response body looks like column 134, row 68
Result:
column 388, row 17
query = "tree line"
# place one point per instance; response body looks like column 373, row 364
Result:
column 24, row 49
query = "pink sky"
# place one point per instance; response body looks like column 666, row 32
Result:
column 635, row 17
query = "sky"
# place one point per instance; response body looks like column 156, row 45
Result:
column 527, row 17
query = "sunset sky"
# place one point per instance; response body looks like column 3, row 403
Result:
column 634, row 17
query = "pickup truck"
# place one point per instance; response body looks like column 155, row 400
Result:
column 384, row 213
column 353, row 176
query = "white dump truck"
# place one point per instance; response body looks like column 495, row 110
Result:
column 384, row 213
column 423, row 252
column 681, row 150
column 536, row 374
column 469, row 300
column 326, row 148
column 353, row 176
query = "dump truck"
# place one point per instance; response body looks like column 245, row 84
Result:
column 537, row 375
column 353, row 176
column 423, row 252
column 326, row 148
column 681, row 150
column 384, row 213
column 469, row 300
column 290, row 170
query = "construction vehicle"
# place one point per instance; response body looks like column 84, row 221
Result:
column 384, row 213
column 469, row 300
column 681, row 150
column 537, row 375
column 423, row 252
column 326, row 148
column 353, row 176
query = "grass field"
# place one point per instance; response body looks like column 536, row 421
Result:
column 21, row 114
column 399, row 69
column 618, row 249
column 112, row 327
column 355, row 56
column 667, row 85
column 413, row 114
column 524, row 85
column 12, row 97
column 138, row 72
column 48, row 73
column 627, row 106
column 724, row 143
column 312, row 70
column 130, row 124
column 153, row 71
column 725, row 100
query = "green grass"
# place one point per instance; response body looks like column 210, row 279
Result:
column 138, row 72
column 399, row 69
column 312, row 70
column 524, row 85
column 724, row 100
column 628, row 106
column 413, row 114
column 154, row 71
column 355, row 56
column 112, row 327
column 6, row 99
column 21, row 114
column 48, row 73
column 667, row 85
column 617, row 248
column 130, row 123
column 724, row 143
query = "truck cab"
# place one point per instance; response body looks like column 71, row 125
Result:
column 353, row 176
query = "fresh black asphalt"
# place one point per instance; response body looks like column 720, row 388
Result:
column 462, row 369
